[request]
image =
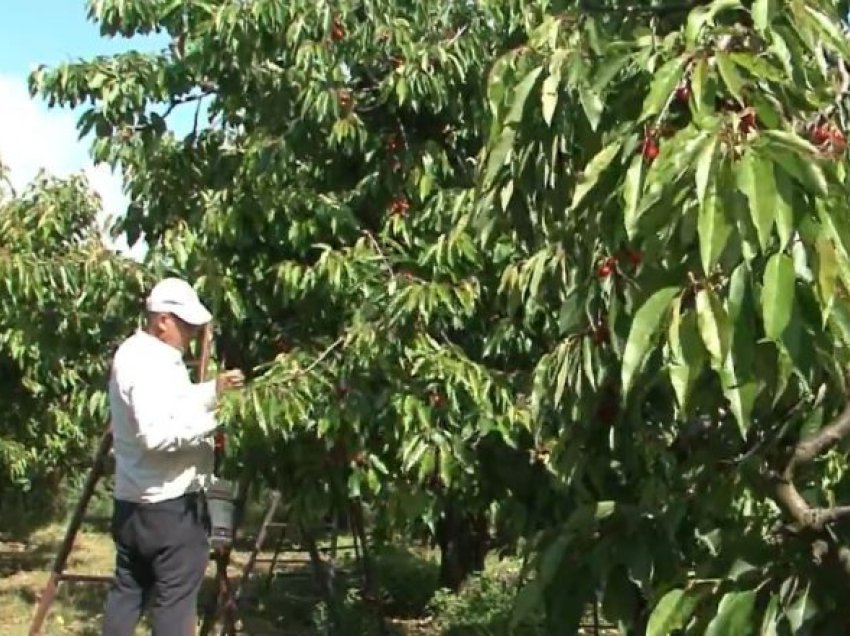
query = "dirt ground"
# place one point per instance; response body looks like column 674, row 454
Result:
column 78, row 610
column 24, row 568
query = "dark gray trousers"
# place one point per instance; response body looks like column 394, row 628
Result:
column 162, row 553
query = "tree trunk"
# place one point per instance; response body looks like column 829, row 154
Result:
column 463, row 537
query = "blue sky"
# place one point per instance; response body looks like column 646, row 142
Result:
column 33, row 137
column 53, row 31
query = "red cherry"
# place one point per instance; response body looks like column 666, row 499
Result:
column 838, row 139
column 607, row 268
column 436, row 400
column 748, row 122
column 650, row 149
column 219, row 441
column 683, row 94
column 399, row 207
column 601, row 333
column 607, row 412
column 820, row 135
column 344, row 100
column 338, row 31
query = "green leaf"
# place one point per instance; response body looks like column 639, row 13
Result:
column 663, row 84
column 704, row 87
column 677, row 157
column 804, row 170
column 763, row 12
column 499, row 154
column 712, row 227
column 756, row 181
column 706, row 166
column 561, row 381
column 784, row 206
column 729, row 73
column 827, row 274
column 801, row 611
column 734, row 615
column 777, row 296
column 645, row 326
column 631, row 194
column 830, row 31
column 713, row 326
column 769, row 620
column 672, row 612
column 592, row 105
column 550, row 97
column 757, row 66
column 594, row 170
column 740, row 394
column 702, row 15
column 520, row 96
column 688, row 356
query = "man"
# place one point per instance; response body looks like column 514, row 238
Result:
column 162, row 427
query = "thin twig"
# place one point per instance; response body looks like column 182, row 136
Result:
column 380, row 251
column 305, row 370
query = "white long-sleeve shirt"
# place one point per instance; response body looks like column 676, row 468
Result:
column 162, row 423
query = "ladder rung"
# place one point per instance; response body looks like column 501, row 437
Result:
column 85, row 578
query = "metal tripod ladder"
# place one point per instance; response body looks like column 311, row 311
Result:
column 58, row 575
column 322, row 560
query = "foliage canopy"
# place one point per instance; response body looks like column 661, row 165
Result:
column 579, row 266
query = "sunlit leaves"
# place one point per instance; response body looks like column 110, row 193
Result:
column 756, row 180
column 734, row 614
column 714, row 325
column 648, row 321
column 66, row 300
column 661, row 92
column 560, row 238
column 777, row 296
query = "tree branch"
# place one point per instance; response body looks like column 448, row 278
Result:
column 786, row 494
column 811, row 447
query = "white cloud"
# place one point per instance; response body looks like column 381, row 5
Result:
column 33, row 137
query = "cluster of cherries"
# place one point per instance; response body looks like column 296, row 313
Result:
column 399, row 207
column 649, row 147
column 828, row 134
column 609, row 265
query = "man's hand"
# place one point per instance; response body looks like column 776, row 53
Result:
column 229, row 380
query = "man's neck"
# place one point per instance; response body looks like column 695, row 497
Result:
column 164, row 341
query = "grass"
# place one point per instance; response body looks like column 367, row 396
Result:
column 78, row 610
column 286, row 604
column 25, row 567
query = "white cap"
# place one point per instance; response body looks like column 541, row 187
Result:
column 176, row 296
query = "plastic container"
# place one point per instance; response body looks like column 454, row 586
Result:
column 221, row 510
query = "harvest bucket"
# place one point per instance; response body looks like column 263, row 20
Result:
column 220, row 507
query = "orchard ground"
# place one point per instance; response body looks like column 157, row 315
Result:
column 290, row 607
